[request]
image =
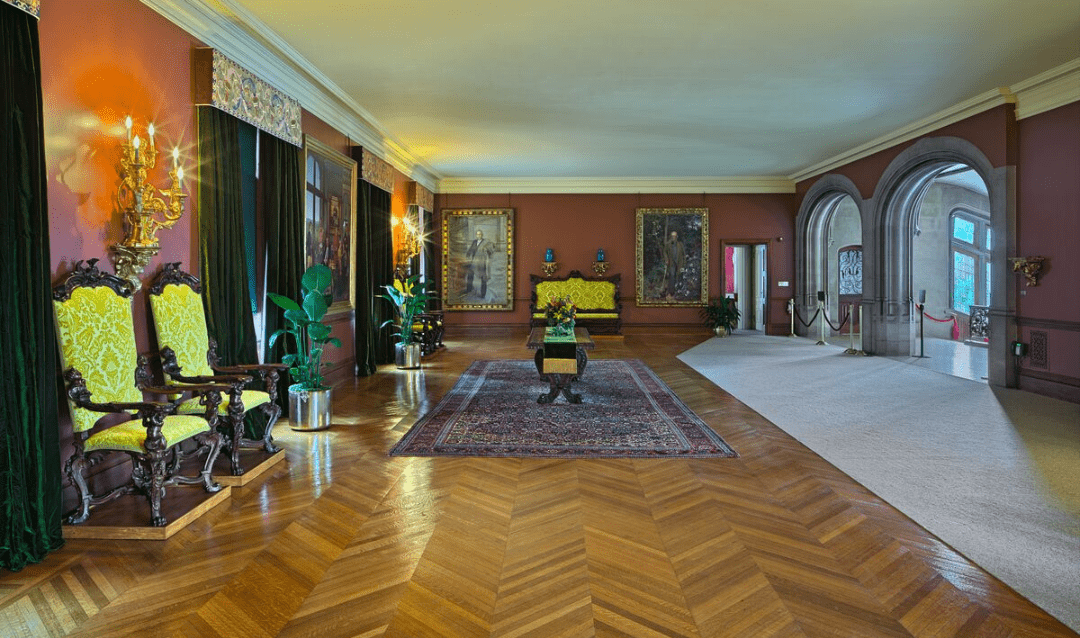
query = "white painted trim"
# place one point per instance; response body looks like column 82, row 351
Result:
column 497, row 185
column 951, row 115
column 233, row 30
column 1057, row 87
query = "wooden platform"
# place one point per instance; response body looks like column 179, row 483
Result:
column 254, row 462
column 128, row 517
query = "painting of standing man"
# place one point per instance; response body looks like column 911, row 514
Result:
column 477, row 265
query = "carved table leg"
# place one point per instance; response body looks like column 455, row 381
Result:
column 559, row 383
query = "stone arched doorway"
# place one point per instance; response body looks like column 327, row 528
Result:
column 829, row 249
column 892, row 225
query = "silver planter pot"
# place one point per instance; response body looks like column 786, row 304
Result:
column 310, row 410
column 407, row 357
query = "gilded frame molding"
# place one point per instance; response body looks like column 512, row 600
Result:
column 675, row 273
column 460, row 227
column 335, row 196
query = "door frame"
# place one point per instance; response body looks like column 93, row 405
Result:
column 724, row 243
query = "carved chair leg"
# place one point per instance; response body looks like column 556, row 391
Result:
column 156, row 490
column 272, row 411
column 76, row 467
column 212, row 440
column 237, row 438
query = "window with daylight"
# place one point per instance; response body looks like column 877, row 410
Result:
column 969, row 251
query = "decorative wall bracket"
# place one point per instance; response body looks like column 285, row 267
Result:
column 549, row 267
column 131, row 261
column 1029, row 266
column 600, row 268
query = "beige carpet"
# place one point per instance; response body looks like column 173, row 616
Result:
column 994, row 473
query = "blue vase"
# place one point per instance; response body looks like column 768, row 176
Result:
column 549, row 255
column 600, row 254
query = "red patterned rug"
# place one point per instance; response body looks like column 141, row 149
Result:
column 627, row 412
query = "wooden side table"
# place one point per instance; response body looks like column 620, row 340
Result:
column 560, row 361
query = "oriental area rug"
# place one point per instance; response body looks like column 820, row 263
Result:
column 627, row 412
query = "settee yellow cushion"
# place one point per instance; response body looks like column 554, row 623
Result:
column 250, row 399
column 598, row 295
column 585, row 315
column 180, row 323
column 131, row 435
column 97, row 338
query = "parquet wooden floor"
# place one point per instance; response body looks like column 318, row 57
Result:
column 341, row 540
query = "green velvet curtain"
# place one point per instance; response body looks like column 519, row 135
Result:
column 283, row 183
column 30, row 490
column 222, row 262
column 374, row 269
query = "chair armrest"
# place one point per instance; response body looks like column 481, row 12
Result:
column 80, row 395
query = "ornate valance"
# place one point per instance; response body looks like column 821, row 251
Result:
column 377, row 171
column 420, row 196
column 224, row 84
column 33, row 7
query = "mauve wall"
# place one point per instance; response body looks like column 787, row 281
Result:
column 1049, row 225
column 574, row 226
column 100, row 62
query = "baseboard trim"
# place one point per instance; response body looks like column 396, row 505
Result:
column 1057, row 386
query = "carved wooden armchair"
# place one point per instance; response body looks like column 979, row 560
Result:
column 189, row 355
column 105, row 374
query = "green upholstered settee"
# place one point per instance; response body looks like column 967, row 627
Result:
column 596, row 298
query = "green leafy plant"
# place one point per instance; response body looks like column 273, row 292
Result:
column 410, row 298
column 721, row 313
column 309, row 332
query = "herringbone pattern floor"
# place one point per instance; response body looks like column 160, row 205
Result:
column 342, row 540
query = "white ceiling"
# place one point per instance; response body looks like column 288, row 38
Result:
column 660, row 88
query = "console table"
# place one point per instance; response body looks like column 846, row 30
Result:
column 560, row 361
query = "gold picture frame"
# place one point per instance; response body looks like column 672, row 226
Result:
column 672, row 257
column 330, row 219
column 478, row 259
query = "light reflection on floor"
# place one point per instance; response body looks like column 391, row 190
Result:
column 954, row 358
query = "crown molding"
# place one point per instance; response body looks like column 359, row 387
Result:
column 615, row 185
column 951, row 115
column 1057, row 87
column 237, row 33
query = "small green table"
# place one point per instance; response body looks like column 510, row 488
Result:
column 560, row 360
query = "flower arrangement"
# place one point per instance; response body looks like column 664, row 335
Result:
column 560, row 313
column 409, row 298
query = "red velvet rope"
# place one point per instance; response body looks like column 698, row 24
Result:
column 952, row 318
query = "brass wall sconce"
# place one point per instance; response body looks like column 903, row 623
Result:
column 144, row 212
column 549, row 267
column 600, row 268
column 1030, row 267
column 412, row 242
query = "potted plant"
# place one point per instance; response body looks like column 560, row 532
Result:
column 309, row 397
column 409, row 298
column 721, row 315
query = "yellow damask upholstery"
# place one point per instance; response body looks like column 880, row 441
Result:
column 97, row 338
column 584, row 315
column 250, row 399
column 131, row 435
column 598, row 295
column 180, row 325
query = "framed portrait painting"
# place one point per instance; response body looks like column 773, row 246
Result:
column 478, row 259
column 330, row 218
column 672, row 257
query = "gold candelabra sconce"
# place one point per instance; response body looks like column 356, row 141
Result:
column 144, row 211
column 1030, row 267
column 412, row 242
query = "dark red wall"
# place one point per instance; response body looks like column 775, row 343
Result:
column 1049, row 226
column 574, row 226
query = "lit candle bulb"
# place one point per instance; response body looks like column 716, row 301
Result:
column 127, row 125
column 180, row 175
column 176, row 157
column 150, row 130
column 136, row 144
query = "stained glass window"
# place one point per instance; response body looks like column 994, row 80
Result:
column 850, row 266
column 963, row 281
column 989, row 235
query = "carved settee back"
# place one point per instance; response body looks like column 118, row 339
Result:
column 596, row 298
